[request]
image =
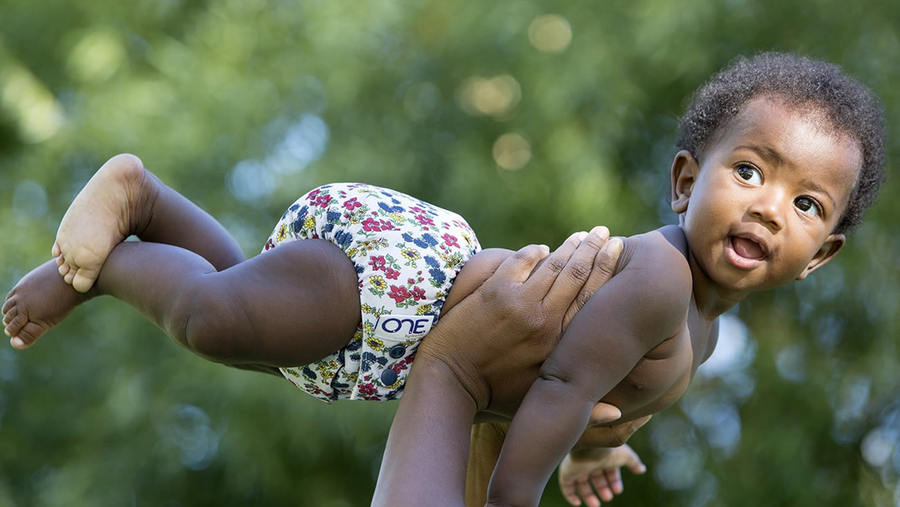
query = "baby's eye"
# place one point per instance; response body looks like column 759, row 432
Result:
column 807, row 205
column 749, row 174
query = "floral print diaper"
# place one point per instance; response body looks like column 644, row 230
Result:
column 406, row 253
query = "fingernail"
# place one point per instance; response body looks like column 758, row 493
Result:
column 601, row 231
column 6, row 332
column 615, row 245
column 17, row 343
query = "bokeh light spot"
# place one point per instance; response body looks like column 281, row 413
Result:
column 791, row 363
column 550, row 33
column 306, row 141
column 421, row 100
column 494, row 96
column 187, row 428
column 96, row 56
column 251, row 181
column 39, row 114
column 679, row 468
column 734, row 350
column 512, row 151
column 718, row 418
column 877, row 446
column 29, row 200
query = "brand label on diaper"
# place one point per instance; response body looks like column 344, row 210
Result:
column 403, row 327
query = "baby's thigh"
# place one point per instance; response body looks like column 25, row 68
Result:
column 292, row 305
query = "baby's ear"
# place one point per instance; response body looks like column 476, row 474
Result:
column 832, row 246
column 684, row 173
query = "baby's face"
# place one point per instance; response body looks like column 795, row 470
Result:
column 764, row 198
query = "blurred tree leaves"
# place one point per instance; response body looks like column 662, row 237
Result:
column 532, row 126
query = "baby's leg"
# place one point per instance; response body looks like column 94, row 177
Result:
column 291, row 305
column 121, row 199
column 287, row 306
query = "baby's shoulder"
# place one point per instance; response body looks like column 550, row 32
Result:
column 660, row 254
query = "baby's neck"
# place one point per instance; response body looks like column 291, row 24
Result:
column 709, row 299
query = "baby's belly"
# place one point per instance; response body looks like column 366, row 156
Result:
column 656, row 382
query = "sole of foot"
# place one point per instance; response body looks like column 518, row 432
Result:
column 40, row 301
column 103, row 214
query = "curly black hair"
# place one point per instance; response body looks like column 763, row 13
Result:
column 849, row 106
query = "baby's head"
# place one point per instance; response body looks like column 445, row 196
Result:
column 781, row 156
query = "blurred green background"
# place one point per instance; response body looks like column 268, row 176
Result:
column 531, row 118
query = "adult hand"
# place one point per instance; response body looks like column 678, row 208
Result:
column 484, row 354
column 519, row 312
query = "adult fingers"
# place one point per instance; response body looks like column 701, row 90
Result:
column 518, row 267
column 602, row 271
column 547, row 273
column 577, row 270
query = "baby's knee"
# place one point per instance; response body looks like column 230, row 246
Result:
column 208, row 326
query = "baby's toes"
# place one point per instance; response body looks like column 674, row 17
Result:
column 55, row 251
column 9, row 315
column 10, row 304
column 15, row 325
column 70, row 275
column 26, row 337
column 64, row 267
column 84, row 279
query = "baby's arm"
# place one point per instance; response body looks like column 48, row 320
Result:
column 639, row 308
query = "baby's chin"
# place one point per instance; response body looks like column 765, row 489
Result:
column 728, row 278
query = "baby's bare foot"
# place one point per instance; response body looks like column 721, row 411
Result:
column 38, row 302
column 113, row 205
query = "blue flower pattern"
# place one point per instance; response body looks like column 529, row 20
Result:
column 406, row 253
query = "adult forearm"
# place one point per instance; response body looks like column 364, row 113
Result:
column 428, row 446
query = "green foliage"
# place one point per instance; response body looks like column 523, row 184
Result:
column 532, row 127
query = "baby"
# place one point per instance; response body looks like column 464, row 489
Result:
column 780, row 157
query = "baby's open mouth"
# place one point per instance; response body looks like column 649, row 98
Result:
column 747, row 248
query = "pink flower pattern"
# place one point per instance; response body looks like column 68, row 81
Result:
column 390, row 237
